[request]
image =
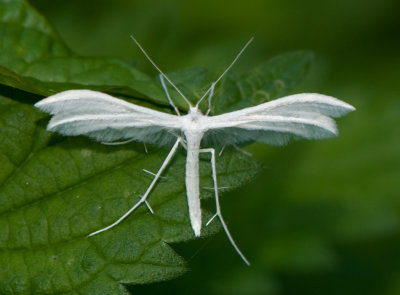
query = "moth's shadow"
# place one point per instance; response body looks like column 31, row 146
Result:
column 19, row 95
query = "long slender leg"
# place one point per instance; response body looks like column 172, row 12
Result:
column 117, row 142
column 146, row 194
column 124, row 142
column 151, row 173
column 218, row 207
column 242, row 150
column 236, row 148
column 222, row 150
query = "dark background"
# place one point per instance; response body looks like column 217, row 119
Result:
column 324, row 216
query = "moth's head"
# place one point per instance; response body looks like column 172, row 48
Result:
column 194, row 110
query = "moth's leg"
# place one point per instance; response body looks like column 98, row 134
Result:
column 151, row 173
column 167, row 94
column 211, row 189
column 236, row 148
column 183, row 141
column 146, row 194
column 124, row 142
column 217, row 205
column 222, row 150
column 242, row 150
column 117, row 142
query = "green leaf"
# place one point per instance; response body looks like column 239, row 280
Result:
column 271, row 79
column 34, row 59
column 190, row 82
column 55, row 191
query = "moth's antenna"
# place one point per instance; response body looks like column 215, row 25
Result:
column 161, row 72
column 226, row 70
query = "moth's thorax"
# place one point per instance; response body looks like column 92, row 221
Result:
column 193, row 122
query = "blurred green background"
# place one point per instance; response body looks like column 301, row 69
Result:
column 324, row 216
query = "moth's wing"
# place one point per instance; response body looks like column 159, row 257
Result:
column 305, row 115
column 106, row 118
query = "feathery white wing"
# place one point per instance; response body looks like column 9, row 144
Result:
column 106, row 118
column 305, row 115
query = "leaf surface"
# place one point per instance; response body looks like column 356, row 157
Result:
column 55, row 191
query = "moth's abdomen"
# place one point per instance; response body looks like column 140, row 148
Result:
column 192, row 182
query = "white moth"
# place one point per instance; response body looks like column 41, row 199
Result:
column 106, row 118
